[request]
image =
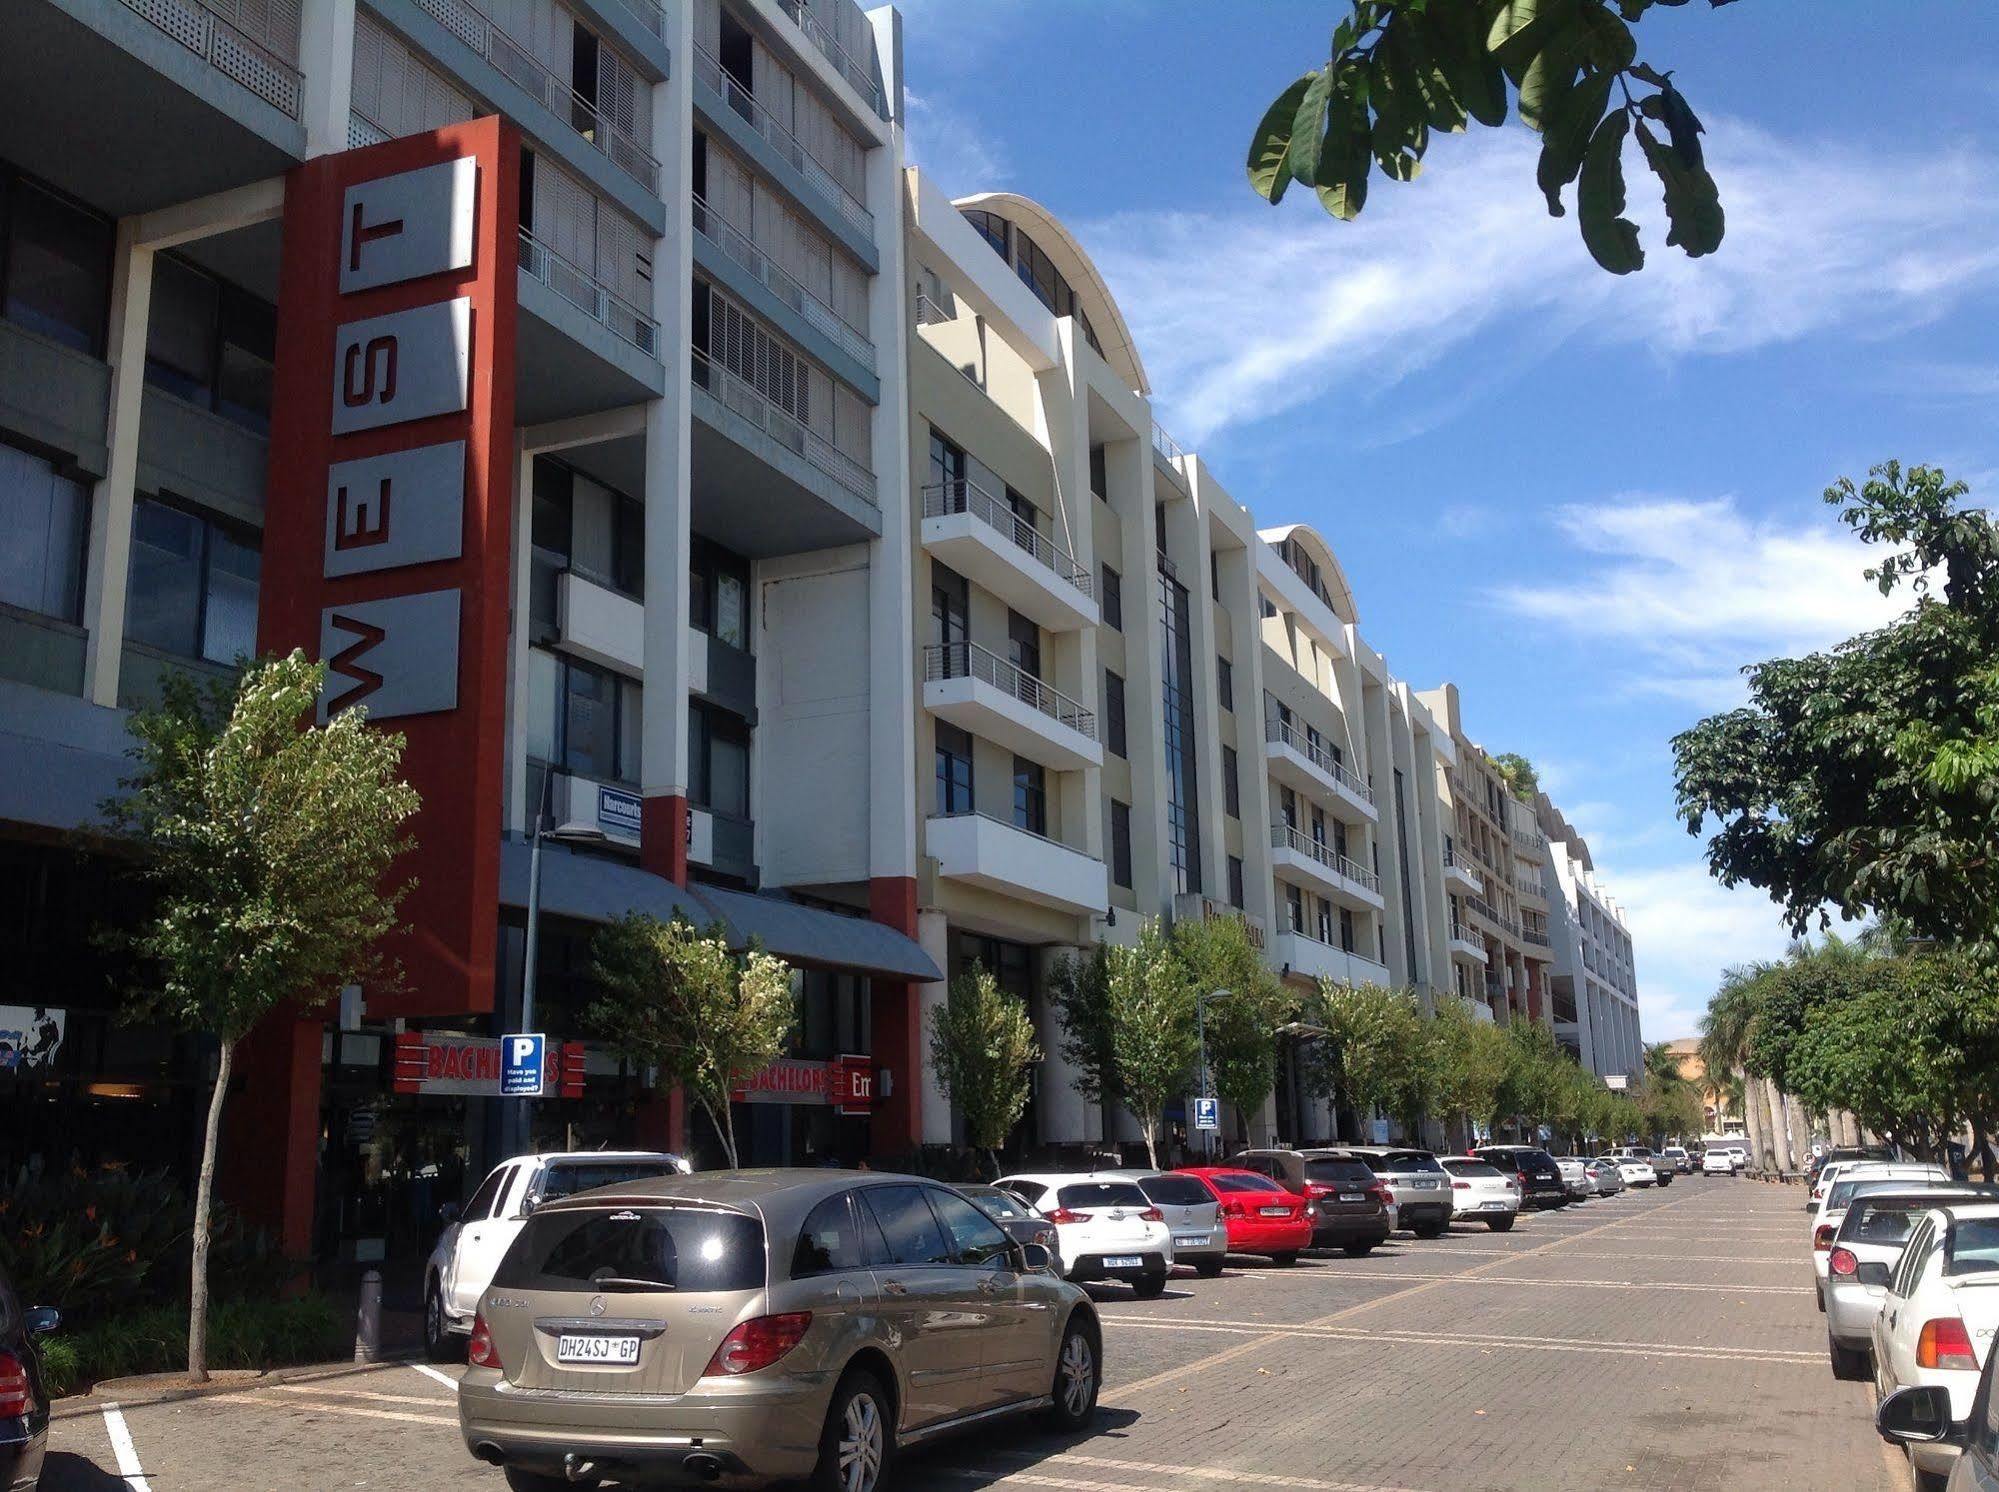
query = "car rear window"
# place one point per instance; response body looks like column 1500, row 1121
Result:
column 998, row 1203
column 1243, row 1181
column 1887, row 1222
column 1339, row 1172
column 1974, row 1246
column 1102, row 1194
column 1175, row 1191
column 1470, row 1168
column 686, row 1249
column 570, row 1177
column 1409, row 1160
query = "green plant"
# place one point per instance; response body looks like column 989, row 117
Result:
column 983, row 1049
column 255, row 1334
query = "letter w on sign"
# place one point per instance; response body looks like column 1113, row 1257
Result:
column 399, row 655
column 346, row 661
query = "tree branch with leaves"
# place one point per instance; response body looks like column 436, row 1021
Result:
column 983, row 1049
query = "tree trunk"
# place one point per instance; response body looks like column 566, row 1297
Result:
column 204, row 1192
column 1150, row 1121
column 724, row 1120
column 1752, row 1116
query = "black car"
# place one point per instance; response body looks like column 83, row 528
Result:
column 24, row 1397
column 1349, row 1202
column 1541, row 1183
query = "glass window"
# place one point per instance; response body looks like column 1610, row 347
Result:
column 1231, row 788
column 43, row 539
column 481, row 1205
column 828, row 1243
column 1121, row 843
column 229, row 620
column 1023, row 640
column 1244, row 1182
column 1974, row 1247
column 1030, row 796
column 950, row 606
column 719, row 760
column 1174, row 1191
column 58, row 268
column 180, row 333
column 544, row 699
column 954, row 769
column 1099, row 477
column 1225, row 684
column 163, row 600
column 246, row 359
column 1114, row 736
column 1086, row 1194
column 999, row 1204
column 569, row 1177
column 1356, row 1173
column 583, row 720
column 908, row 1226
column 976, row 1238
column 683, row 1249
column 1235, row 882
column 590, row 722
column 1113, row 598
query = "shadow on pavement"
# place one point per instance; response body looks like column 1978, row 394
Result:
column 965, row 1461
column 63, row 1472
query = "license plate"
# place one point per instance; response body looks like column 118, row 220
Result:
column 1189, row 1240
column 1123, row 1261
column 1275, row 1211
column 1427, row 1185
column 1353, row 1196
column 1493, row 1206
column 620, row 1351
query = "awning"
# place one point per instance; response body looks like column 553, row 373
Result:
column 592, row 888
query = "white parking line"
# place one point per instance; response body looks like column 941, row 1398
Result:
column 123, row 1450
column 365, row 1395
column 1151, row 1472
column 429, row 1372
column 1487, row 1343
column 1509, row 1279
column 353, row 1411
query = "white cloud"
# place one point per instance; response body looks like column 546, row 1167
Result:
column 1245, row 312
column 1685, row 929
column 1466, row 521
column 951, row 148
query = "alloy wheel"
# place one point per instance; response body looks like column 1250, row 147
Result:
column 860, row 1444
column 1079, row 1373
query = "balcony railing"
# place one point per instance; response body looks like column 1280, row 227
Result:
column 224, row 45
column 1491, row 914
column 754, row 405
column 962, row 495
column 751, row 110
column 584, row 291
column 852, row 68
column 1532, row 844
column 1455, row 858
column 362, row 131
column 1298, row 741
column 1284, row 837
column 1531, row 885
column 483, row 35
column 1176, row 457
column 1536, row 936
column 929, row 313
column 961, row 660
column 740, row 247
column 1462, row 934
column 650, row 16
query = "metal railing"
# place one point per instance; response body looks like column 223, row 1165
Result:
column 1532, row 844
column 1536, row 936
column 929, row 313
column 363, row 131
column 748, row 108
column 1531, row 885
column 650, row 16
column 589, row 295
column 1492, row 914
column 1455, row 859
column 851, row 67
column 967, row 660
column 485, row 36
column 1462, row 934
column 754, row 405
column 1284, row 837
column 962, row 495
column 1176, row 457
column 1298, row 741
column 781, row 283
column 230, row 50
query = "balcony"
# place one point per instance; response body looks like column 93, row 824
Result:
column 1466, row 944
column 1492, row 914
column 583, row 348
column 1192, row 905
column 1533, row 846
column 1296, row 953
column 1459, row 871
column 744, row 106
column 1318, row 865
column 767, row 272
column 1169, row 457
column 1530, row 885
column 989, row 852
column 1298, row 762
column 986, row 541
column 981, row 692
column 1535, row 936
column 598, row 624
column 859, row 75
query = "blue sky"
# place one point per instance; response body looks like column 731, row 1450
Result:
column 1586, row 500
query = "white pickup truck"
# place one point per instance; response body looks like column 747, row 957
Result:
column 477, row 1237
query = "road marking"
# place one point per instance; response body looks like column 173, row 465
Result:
column 122, row 1448
column 1507, row 1279
column 1207, row 1475
column 355, row 1411
column 368, row 1395
column 429, row 1372
column 1801, row 1354
column 1812, row 1360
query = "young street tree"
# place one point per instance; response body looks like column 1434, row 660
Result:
column 982, row 1045
column 679, row 1001
column 1401, row 69
column 1079, row 988
column 1374, row 1053
column 267, row 841
column 1217, row 954
column 1152, row 1038
column 1467, row 1059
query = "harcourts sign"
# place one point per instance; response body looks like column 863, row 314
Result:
column 388, row 514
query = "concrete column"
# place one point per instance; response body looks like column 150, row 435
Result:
column 1187, row 525
column 110, row 558
column 1128, row 467
column 1067, row 1118
column 1239, row 603
column 326, row 56
column 514, row 813
column 933, row 934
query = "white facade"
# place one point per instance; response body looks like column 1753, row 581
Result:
column 1595, row 982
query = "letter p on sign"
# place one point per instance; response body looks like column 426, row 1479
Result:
column 521, row 1065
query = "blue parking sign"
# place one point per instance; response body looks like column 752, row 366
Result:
column 522, row 1059
column 1207, row 1113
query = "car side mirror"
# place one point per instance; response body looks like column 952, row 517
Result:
column 41, row 1320
column 1917, row 1416
column 1872, row 1272
column 1035, row 1256
column 449, row 1213
column 528, row 1205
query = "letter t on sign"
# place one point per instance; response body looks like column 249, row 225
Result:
column 409, row 225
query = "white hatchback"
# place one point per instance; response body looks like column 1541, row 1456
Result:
column 1718, row 1162
column 1633, row 1171
column 1105, row 1227
column 1938, row 1314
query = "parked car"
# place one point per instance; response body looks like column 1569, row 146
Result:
column 1575, row 1176
column 1631, row 1170
column 1938, row 1313
column 1876, row 1224
column 1482, row 1193
column 476, row 1237
column 1193, row 1217
column 1738, row 1152
column 1718, row 1162
column 1605, row 1176
column 1681, row 1161
column 1662, row 1174
column 1922, row 1416
column 1022, row 1223
column 24, row 1398
column 1105, row 1226
column 760, row 1326
column 1832, row 1209
column 1350, row 1204
column 1420, row 1188
column 1262, row 1217
column 1541, row 1183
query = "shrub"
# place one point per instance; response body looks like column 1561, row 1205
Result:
column 257, row 1334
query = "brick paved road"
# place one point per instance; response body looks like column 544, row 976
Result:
column 1663, row 1340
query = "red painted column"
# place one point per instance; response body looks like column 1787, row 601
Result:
column 268, row 1168
column 897, row 1125
column 663, row 837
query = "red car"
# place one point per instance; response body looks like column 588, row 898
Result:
column 1261, row 1216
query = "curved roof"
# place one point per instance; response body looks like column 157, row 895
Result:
column 1075, row 266
column 1330, row 570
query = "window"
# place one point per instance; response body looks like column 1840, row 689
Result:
column 1346, row 929
column 1265, row 607
column 976, row 1238
column 193, row 588
column 1113, row 599
column 43, row 541
column 718, row 594
column 1225, row 684
column 908, row 1227
column 954, row 769
column 718, row 765
column 950, row 607
column 483, row 1200
column 211, row 344
column 1215, row 577
column 1099, row 476
column 1023, row 643
column 1121, row 844
column 1231, row 791
column 1114, row 736
column 1236, row 897
column 828, row 1243
column 684, row 1249
column 1294, row 909
column 992, row 228
column 1030, row 796
column 58, row 267
column 583, row 720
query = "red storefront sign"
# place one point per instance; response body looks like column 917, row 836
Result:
column 847, row 1083
column 388, row 518
column 470, row 1065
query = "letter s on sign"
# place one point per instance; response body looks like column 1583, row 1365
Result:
column 358, row 384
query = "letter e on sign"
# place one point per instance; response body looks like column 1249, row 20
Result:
column 402, row 508
column 409, row 225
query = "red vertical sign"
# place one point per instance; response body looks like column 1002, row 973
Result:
column 388, row 521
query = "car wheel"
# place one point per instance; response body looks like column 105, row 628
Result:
column 1285, row 1260
column 1500, row 1224
column 1427, row 1230
column 1207, row 1269
column 856, row 1444
column 1850, row 1364
column 1821, row 1295
column 522, row 1480
column 1359, row 1250
column 1073, row 1396
column 439, row 1344
column 1149, row 1286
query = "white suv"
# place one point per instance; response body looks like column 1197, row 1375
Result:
column 474, row 1241
column 1105, row 1227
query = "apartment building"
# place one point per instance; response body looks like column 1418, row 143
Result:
column 1593, row 987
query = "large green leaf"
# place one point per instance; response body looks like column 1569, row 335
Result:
column 1308, row 126
column 1511, row 17
column 1693, row 203
column 1551, row 73
column 1271, row 144
column 1408, row 50
column 1346, row 156
column 1567, row 136
column 1607, row 41
column 1457, row 34
column 1611, row 238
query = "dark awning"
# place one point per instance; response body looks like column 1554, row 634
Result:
column 592, row 888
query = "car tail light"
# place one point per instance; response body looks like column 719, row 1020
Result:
column 1064, row 1216
column 1233, row 1209
column 479, row 1351
column 1460, row 1186
column 1152, row 1215
column 757, row 1343
column 1841, row 1262
column 1944, row 1343
column 15, row 1400
column 1822, row 1237
column 1381, row 1194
